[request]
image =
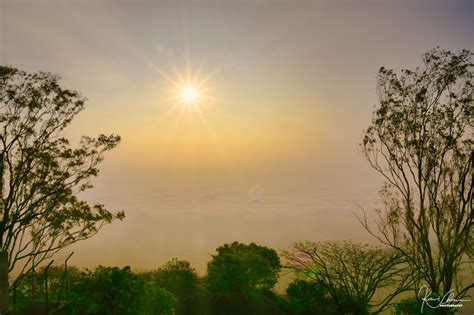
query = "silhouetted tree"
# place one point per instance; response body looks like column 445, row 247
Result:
column 421, row 141
column 104, row 290
column 351, row 273
column 179, row 278
column 412, row 306
column 239, row 267
column 113, row 290
column 309, row 298
column 239, row 277
column 40, row 174
column 157, row 300
column 31, row 292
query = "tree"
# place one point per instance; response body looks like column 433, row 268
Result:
column 411, row 306
column 309, row 298
column 240, row 278
column 103, row 290
column 30, row 293
column 420, row 140
column 113, row 290
column 41, row 174
column 351, row 273
column 179, row 278
column 157, row 300
column 241, row 267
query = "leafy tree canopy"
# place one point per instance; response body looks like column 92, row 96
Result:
column 241, row 267
column 180, row 279
column 41, row 174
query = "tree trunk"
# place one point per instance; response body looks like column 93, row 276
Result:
column 4, row 290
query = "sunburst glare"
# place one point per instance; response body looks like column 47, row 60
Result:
column 189, row 94
column 189, row 90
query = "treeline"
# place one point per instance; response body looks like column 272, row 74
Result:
column 240, row 279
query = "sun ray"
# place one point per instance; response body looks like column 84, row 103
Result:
column 165, row 76
column 190, row 96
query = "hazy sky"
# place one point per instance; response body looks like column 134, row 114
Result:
column 273, row 155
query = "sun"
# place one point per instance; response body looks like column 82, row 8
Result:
column 190, row 90
column 189, row 94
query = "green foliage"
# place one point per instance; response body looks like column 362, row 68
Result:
column 413, row 306
column 109, row 290
column 246, row 302
column 309, row 297
column 240, row 278
column 180, row 279
column 31, row 290
column 240, row 267
column 104, row 290
column 41, row 173
column 157, row 300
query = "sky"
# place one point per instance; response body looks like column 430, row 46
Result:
column 269, row 153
